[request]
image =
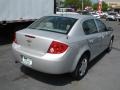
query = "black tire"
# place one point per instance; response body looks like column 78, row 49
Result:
column 78, row 74
column 119, row 20
column 110, row 45
column 107, row 19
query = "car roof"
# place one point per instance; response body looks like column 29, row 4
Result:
column 73, row 15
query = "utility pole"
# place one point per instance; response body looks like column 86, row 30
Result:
column 82, row 5
column 55, row 6
column 99, row 6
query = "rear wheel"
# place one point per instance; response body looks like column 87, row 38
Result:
column 115, row 19
column 82, row 68
column 107, row 19
column 119, row 20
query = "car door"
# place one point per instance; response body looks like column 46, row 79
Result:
column 104, row 33
column 93, row 36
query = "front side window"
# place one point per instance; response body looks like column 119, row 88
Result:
column 54, row 24
column 89, row 27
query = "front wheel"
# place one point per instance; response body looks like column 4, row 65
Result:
column 110, row 46
column 82, row 68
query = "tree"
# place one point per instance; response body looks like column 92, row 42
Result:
column 104, row 6
column 72, row 3
column 87, row 3
column 77, row 3
column 95, row 6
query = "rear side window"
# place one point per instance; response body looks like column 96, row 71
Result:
column 54, row 24
column 89, row 27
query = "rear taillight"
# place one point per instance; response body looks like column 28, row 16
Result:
column 57, row 47
column 14, row 38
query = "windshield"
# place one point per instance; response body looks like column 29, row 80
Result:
column 65, row 10
column 54, row 24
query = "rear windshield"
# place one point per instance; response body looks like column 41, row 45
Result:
column 54, row 24
column 112, row 13
column 94, row 13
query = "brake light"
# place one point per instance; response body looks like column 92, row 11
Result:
column 57, row 47
column 14, row 38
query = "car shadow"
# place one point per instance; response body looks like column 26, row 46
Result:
column 56, row 80
column 97, row 59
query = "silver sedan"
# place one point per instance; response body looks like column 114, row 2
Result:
column 63, row 43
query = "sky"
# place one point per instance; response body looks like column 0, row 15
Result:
column 107, row 0
column 95, row 1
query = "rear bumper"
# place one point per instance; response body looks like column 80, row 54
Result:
column 47, row 63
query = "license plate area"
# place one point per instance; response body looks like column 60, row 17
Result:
column 26, row 61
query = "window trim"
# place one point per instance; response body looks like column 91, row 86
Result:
column 95, row 26
column 98, row 27
column 42, row 18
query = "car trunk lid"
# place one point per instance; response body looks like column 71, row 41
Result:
column 37, row 40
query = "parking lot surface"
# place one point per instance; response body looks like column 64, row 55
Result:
column 104, row 72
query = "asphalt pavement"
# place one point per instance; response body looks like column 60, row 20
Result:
column 104, row 72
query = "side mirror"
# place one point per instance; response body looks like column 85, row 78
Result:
column 109, row 28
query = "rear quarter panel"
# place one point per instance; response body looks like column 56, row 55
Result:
column 78, row 43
